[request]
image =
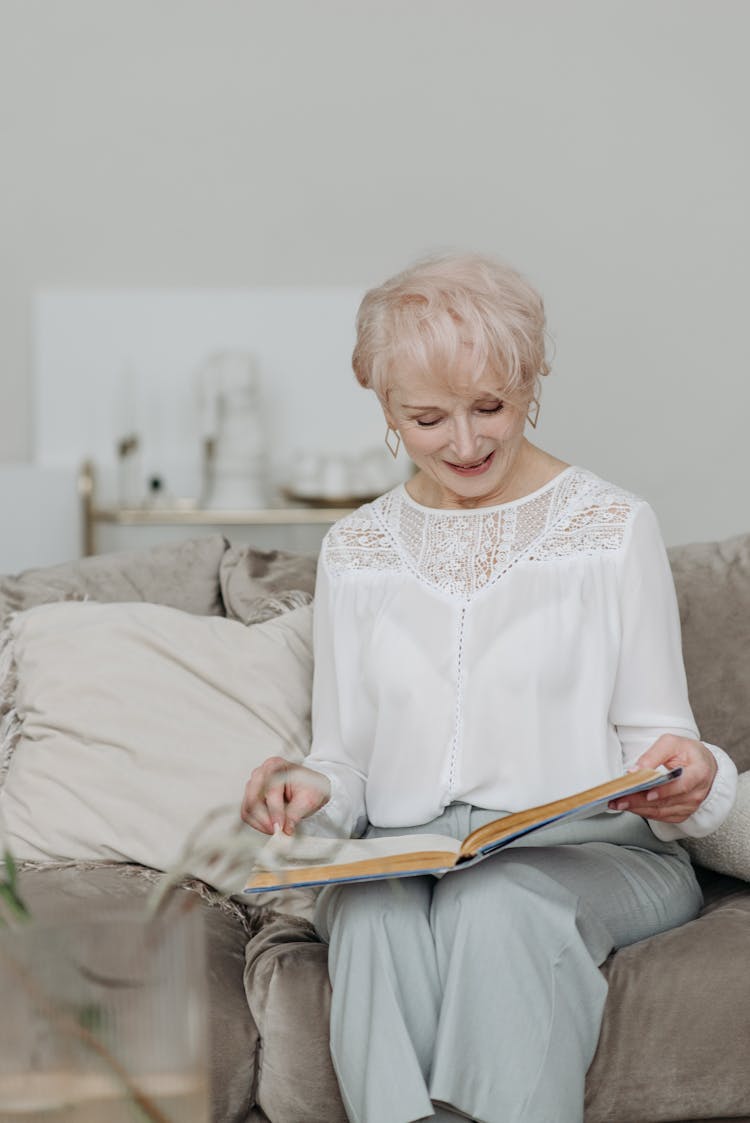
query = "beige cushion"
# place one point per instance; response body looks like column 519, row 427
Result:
column 136, row 720
column 727, row 850
column 713, row 588
column 181, row 574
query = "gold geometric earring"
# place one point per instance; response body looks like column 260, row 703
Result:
column 393, row 450
column 533, row 413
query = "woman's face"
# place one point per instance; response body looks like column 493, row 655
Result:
column 460, row 432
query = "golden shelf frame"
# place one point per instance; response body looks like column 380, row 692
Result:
column 93, row 515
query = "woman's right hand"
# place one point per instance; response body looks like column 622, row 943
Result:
column 280, row 793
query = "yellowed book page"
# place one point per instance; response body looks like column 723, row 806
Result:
column 310, row 858
column 519, row 820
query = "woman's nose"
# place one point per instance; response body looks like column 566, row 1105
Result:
column 465, row 440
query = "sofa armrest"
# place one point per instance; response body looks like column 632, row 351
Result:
column 289, row 994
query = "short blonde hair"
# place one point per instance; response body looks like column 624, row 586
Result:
column 426, row 317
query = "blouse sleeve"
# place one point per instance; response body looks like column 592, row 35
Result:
column 334, row 677
column 650, row 694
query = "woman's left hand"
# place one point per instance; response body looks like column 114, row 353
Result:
column 676, row 801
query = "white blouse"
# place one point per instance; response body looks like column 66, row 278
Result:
column 502, row 656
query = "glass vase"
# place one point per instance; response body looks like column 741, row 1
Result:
column 104, row 1020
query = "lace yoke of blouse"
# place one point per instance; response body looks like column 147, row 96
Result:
column 462, row 552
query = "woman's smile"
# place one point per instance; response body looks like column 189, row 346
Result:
column 475, row 469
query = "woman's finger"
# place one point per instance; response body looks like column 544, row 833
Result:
column 256, row 785
column 274, row 796
column 254, row 813
column 309, row 791
column 258, row 822
column 648, row 807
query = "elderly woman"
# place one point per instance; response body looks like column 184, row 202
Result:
column 498, row 632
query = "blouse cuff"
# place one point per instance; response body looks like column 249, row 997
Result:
column 334, row 817
column 715, row 807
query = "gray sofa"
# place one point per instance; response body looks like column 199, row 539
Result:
column 675, row 1042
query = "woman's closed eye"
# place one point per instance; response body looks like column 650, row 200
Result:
column 430, row 422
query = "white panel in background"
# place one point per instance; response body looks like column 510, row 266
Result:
column 39, row 515
column 106, row 361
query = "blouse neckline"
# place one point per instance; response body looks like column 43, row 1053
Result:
column 401, row 489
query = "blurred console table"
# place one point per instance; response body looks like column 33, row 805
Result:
column 283, row 518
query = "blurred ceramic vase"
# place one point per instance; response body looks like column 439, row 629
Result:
column 235, row 461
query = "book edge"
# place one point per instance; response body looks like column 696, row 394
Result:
column 534, row 818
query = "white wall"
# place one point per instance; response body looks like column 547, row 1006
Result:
column 599, row 145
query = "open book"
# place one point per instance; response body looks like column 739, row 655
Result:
column 307, row 860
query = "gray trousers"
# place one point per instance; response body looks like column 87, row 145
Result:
column 479, row 995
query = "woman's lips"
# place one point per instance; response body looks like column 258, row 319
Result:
column 475, row 469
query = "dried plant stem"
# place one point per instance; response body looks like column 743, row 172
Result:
column 219, row 861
